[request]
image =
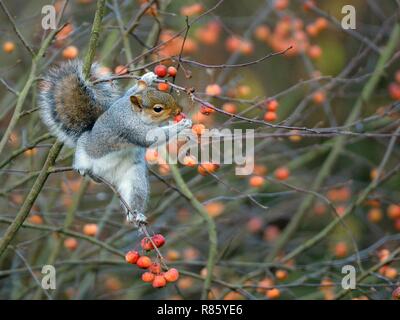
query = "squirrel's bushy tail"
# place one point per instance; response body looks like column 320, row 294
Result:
column 69, row 104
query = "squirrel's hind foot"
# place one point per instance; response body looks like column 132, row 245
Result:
column 136, row 218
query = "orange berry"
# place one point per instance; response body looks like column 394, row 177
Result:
column 35, row 219
column 172, row 71
column 159, row 282
column 295, row 137
column 256, row 181
column 214, row 209
column 207, row 167
column 390, row 273
column 375, row 215
column 281, row 274
column 192, row 10
column 155, row 268
column 393, row 211
column 255, row 224
column 314, row 52
column 8, row 46
column 206, row 110
column 179, row 117
column 270, row 116
column 243, row 90
column 312, row 30
column 272, row 105
column 30, row 152
column 229, row 107
column 319, row 97
column 246, row 47
column 198, row 129
column 308, row 5
column 120, row 70
column 171, row 275
column 341, row 249
column 281, row 4
column 282, row 173
column 383, row 254
column 233, row 43
column 265, row 284
column 213, row 90
column 260, row 170
column 160, row 70
column 262, row 32
column 397, row 224
column 71, row 243
column 70, row 52
column 146, row 244
column 163, row 86
column 321, row 23
column 132, row 256
column 396, row 293
column 148, row 277
column 143, row 262
column 273, row 293
column 394, row 91
column 90, row 229
column 233, row 295
column 173, row 255
column 271, row 233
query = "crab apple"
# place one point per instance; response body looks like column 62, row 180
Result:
column 282, row 173
column 206, row 110
column 207, row 167
column 262, row 32
column 319, row 97
column 281, row 4
column 159, row 281
column 171, row 275
column 341, row 249
column 273, row 293
column 143, row 262
column 163, row 86
column 396, row 293
column 173, row 255
column 179, row 117
column 214, row 209
column 308, row 5
column 160, row 70
column 70, row 52
column 90, row 229
column 198, row 129
column 391, row 273
column 312, row 30
column 314, row 52
column 393, row 211
column 375, row 215
column 148, row 277
column 132, row 256
column 272, row 105
column 255, row 224
column 270, row 116
column 281, row 274
column 191, row 10
column 146, row 244
column 158, row 240
column 394, row 91
column 71, row 243
column 383, row 254
column 213, row 90
column 155, row 268
column 172, row 71
column 321, row 23
column 229, row 107
column 8, row 46
column 256, row 181
column 35, row 219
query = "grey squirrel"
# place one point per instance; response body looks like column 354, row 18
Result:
column 109, row 130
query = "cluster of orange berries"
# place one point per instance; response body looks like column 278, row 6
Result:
column 154, row 273
column 162, row 71
column 257, row 180
column 386, row 270
column 272, row 106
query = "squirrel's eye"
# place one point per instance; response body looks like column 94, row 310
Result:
column 158, row 108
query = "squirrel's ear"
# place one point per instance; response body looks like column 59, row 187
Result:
column 142, row 85
column 136, row 102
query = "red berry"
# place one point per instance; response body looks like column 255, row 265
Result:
column 272, row 105
column 163, row 86
column 394, row 91
column 158, row 240
column 172, row 71
column 159, row 282
column 148, row 277
column 179, row 117
column 171, row 275
column 155, row 268
column 160, row 70
column 132, row 257
column 144, row 262
column 146, row 244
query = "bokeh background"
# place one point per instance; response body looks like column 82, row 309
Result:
column 299, row 186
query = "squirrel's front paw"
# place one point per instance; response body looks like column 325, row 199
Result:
column 149, row 77
column 185, row 123
column 136, row 218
